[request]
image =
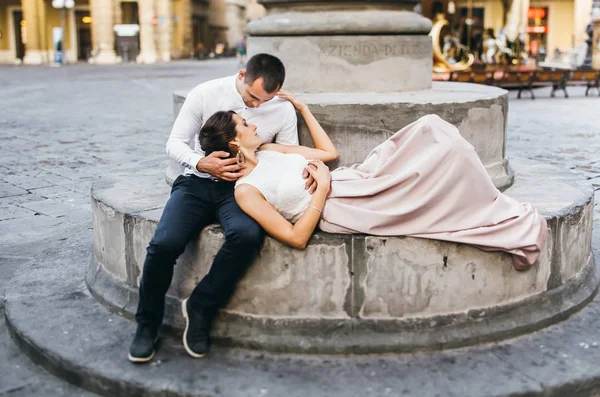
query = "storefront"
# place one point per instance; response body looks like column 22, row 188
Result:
column 537, row 32
column 553, row 27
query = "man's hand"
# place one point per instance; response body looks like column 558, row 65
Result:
column 219, row 165
column 311, row 184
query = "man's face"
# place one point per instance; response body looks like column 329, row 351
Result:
column 254, row 94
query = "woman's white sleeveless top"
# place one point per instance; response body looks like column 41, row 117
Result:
column 278, row 177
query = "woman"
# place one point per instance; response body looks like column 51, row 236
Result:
column 425, row 181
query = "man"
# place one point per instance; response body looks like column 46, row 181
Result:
column 205, row 194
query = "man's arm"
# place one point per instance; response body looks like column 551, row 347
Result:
column 185, row 128
column 289, row 130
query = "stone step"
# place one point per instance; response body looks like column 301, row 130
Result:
column 20, row 377
column 356, row 293
column 57, row 323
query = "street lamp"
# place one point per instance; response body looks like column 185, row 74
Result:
column 587, row 63
column 63, row 5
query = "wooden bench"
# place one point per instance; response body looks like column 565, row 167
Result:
column 529, row 79
column 557, row 79
column 585, row 77
column 461, row 77
column 517, row 79
column 472, row 76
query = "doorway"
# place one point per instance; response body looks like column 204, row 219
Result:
column 19, row 26
column 200, row 37
column 83, row 23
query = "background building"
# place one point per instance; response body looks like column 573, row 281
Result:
column 110, row 31
column 555, row 28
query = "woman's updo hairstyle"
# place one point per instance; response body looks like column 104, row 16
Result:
column 217, row 132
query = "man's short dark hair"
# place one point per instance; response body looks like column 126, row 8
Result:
column 269, row 67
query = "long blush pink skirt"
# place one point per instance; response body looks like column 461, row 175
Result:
column 427, row 181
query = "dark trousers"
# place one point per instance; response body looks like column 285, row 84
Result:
column 195, row 203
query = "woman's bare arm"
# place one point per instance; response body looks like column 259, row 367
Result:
column 324, row 149
column 253, row 203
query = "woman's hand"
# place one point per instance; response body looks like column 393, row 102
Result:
column 298, row 104
column 320, row 173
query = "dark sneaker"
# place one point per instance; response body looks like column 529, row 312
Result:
column 197, row 330
column 142, row 347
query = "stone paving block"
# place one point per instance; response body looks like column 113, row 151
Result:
column 9, row 239
column 81, row 186
column 12, row 211
column 7, row 190
column 53, row 179
column 52, row 192
column 25, row 181
column 37, row 241
column 16, row 200
column 50, row 207
column 23, row 225
column 78, row 216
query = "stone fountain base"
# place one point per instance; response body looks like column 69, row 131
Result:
column 356, row 293
column 86, row 345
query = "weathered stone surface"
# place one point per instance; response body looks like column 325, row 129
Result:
column 433, row 277
column 574, row 235
column 109, row 239
column 350, row 64
column 315, row 282
column 8, row 190
column 355, row 293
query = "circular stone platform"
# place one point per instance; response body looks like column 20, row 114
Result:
column 557, row 361
column 357, row 293
column 356, row 126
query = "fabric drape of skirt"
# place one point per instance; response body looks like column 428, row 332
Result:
column 427, row 181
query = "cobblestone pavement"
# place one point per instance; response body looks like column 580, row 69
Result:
column 61, row 128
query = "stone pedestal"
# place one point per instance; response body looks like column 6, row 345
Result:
column 347, row 51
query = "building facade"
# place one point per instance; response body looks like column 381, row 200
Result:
column 553, row 27
column 111, row 31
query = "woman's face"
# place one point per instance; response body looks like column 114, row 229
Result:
column 246, row 133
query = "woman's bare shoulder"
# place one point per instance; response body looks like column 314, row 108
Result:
column 273, row 147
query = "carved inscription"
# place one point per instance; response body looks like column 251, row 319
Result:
column 375, row 50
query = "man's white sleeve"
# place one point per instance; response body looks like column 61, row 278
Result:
column 289, row 131
column 185, row 128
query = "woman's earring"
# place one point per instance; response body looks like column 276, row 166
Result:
column 239, row 157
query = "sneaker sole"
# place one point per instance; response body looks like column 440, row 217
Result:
column 140, row 359
column 187, row 324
